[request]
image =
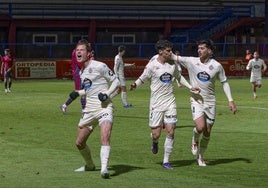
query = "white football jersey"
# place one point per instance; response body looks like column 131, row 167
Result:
column 203, row 76
column 119, row 66
column 95, row 78
column 161, row 76
column 256, row 66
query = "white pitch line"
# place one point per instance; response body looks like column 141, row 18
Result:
column 247, row 107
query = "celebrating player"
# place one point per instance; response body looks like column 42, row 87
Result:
column 203, row 71
column 76, row 67
column 160, row 70
column 95, row 77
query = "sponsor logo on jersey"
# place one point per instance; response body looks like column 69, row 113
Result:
column 166, row 77
column 87, row 83
column 256, row 66
column 203, row 76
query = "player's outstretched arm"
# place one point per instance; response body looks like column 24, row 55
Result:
column 227, row 91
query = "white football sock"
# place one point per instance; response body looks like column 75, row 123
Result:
column 196, row 136
column 86, row 154
column 203, row 145
column 104, row 156
column 124, row 98
column 168, row 146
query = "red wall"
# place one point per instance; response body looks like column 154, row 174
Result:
column 232, row 67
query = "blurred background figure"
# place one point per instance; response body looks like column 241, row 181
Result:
column 119, row 67
column 249, row 55
column 257, row 67
column 6, row 69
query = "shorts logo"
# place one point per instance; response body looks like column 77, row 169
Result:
column 166, row 77
column 171, row 116
column 103, row 115
column 203, row 76
column 87, row 83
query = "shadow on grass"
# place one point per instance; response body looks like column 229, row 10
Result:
column 121, row 169
column 180, row 163
column 226, row 160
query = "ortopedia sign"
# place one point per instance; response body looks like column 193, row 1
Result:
column 35, row 69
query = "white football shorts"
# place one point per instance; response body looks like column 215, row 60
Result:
column 256, row 80
column 122, row 80
column 92, row 119
column 200, row 109
column 158, row 118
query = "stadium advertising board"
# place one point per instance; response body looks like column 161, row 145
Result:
column 62, row 69
column 35, row 69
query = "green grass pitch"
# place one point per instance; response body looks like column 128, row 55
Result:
column 38, row 150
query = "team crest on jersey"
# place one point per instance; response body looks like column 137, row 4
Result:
column 87, row 83
column 110, row 73
column 203, row 76
column 211, row 67
column 166, row 77
column 256, row 66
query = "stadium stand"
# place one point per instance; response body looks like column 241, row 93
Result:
column 49, row 29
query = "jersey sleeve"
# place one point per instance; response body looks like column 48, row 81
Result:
column 107, row 73
column 264, row 66
column 147, row 73
column 116, row 65
column 249, row 65
column 177, row 72
column 222, row 75
column 182, row 60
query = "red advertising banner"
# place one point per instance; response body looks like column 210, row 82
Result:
column 61, row 69
column 64, row 69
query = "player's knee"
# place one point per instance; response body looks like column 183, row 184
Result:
column 80, row 145
column 170, row 130
column 156, row 135
column 119, row 90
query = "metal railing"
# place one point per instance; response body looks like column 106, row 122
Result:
column 110, row 11
column 139, row 50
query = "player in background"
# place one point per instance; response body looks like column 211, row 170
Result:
column 203, row 71
column 1, row 61
column 76, row 67
column 249, row 55
column 7, row 65
column 257, row 67
column 119, row 66
column 95, row 77
column 160, row 71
